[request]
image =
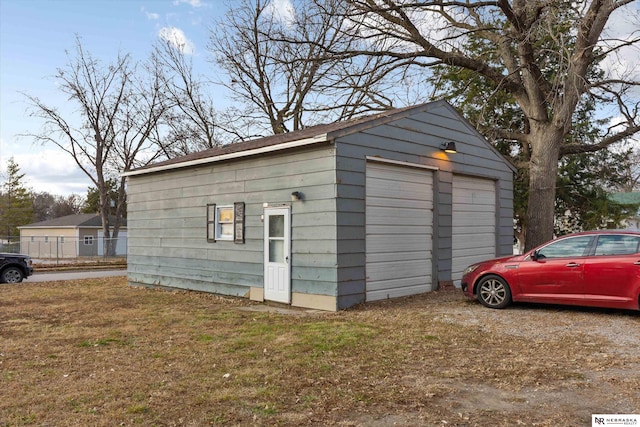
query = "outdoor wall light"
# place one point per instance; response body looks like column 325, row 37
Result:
column 296, row 195
column 449, row 147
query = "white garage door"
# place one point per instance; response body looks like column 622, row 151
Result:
column 474, row 222
column 399, row 228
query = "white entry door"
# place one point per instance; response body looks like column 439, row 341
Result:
column 277, row 254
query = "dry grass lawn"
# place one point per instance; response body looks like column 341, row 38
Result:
column 97, row 352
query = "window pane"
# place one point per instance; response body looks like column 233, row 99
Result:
column 226, row 230
column 571, row 247
column 617, row 245
column 276, row 251
column 225, row 214
column 224, row 223
column 276, row 226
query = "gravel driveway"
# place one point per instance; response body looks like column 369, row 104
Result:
column 609, row 381
column 621, row 329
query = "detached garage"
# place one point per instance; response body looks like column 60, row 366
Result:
column 326, row 217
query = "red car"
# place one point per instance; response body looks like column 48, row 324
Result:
column 595, row 268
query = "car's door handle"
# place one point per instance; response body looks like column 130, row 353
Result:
column 572, row 264
column 636, row 263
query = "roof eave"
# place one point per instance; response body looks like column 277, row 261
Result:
column 236, row 155
column 49, row 226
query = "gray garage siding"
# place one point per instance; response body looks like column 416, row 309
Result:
column 416, row 139
column 167, row 211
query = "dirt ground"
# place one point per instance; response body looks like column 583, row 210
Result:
column 97, row 352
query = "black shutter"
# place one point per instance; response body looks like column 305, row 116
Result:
column 211, row 222
column 238, row 225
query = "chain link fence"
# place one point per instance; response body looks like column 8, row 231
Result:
column 65, row 247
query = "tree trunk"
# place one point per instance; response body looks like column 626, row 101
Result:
column 106, row 233
column 543, row 171
column 120, row 213
column 103, row 191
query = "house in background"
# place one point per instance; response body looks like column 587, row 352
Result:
column 630, row 198
column 325, row 217
column 69, row 236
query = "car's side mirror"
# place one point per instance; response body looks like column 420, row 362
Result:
column 536, row 256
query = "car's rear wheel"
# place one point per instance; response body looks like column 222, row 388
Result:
column 494, row 292
column 11, row 275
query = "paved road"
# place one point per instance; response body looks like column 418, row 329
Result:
column 71, row 275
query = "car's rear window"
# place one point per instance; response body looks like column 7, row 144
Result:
column 617, row 245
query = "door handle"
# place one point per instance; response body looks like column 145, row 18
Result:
column 572, row 264
column 286, row 260
column 636, row 263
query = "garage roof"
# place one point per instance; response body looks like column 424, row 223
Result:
column 72, row 221
column 307, row 136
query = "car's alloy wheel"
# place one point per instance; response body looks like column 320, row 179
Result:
column 12, row 275
column 494, row 292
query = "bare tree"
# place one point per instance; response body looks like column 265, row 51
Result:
column 191, row 119
column 281, row 68
column 428, row 33
column 118, row 108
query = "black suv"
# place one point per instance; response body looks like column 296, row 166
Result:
column 15, row 267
